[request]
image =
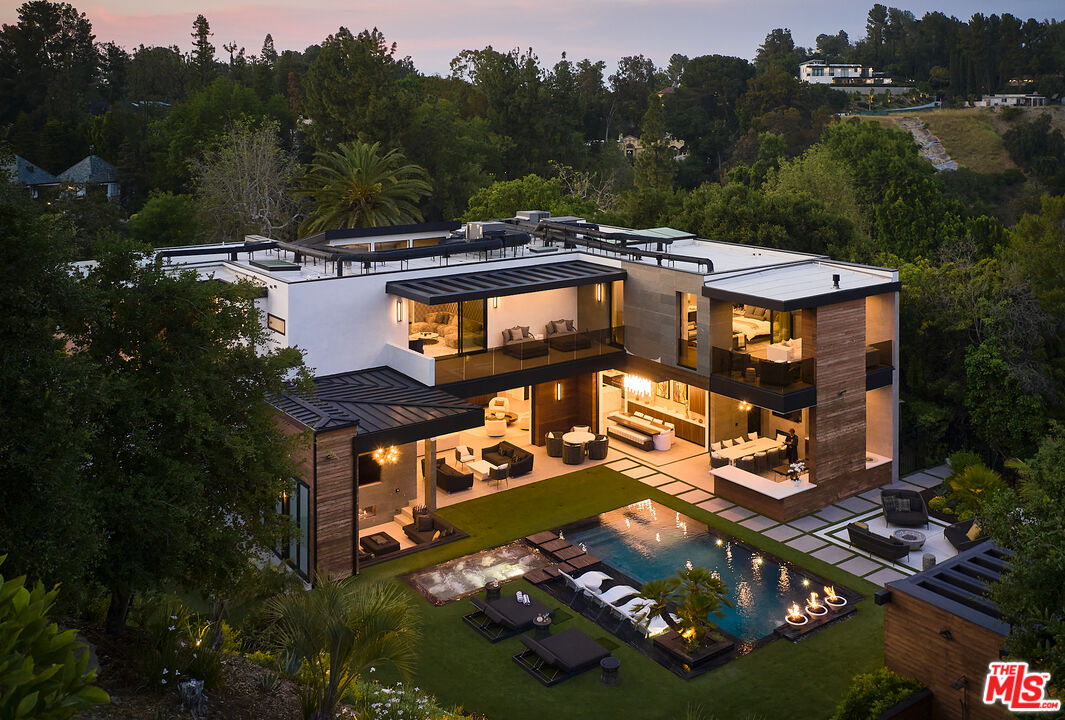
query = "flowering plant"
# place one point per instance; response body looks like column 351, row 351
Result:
column 796, row 469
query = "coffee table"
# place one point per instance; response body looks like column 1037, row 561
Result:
column 427, row 337
column 481, row 467
column 379, row 543
column 914, row 538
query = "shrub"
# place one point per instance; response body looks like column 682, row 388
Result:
column 43, row 671
column 962, row 459
column 178, row 646
column 1009, row 114
column 378, row 702
column 873, row 693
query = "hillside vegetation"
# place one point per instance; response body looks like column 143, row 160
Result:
column 973, row 136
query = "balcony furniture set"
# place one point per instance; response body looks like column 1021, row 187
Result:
column 428, row 528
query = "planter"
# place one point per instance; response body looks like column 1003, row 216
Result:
column 676, row 646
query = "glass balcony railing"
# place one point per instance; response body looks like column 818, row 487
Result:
column 777, row 377
column 529, row 354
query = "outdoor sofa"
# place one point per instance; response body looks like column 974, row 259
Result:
column 503, row 452
column 863, row 538
column 426, row 527
column 563, row 336
column 519, row 343
column 451, row 479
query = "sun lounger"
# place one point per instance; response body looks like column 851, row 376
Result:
column 586, row 584
column 635, row 611
column 560, row 657
column 504, row 617
column 616, row 593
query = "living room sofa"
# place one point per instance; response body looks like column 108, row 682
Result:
column 503, row 452
column 886, row 547
column 451, row 479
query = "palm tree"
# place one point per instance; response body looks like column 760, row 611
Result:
column 693, row 594
column 357, row 186
column 339, row 628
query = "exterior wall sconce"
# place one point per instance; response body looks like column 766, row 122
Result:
column 599, row 292
column 495, row 302
column 558, row 391
column 399, row 310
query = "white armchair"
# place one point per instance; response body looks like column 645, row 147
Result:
column 463, row 454
column 498, row 404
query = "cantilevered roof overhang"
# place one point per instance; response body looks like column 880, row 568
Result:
column 806, row 284
column 503, row 281
column 386, row 406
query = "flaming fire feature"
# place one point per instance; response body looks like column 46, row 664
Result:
column 814, row 607
column 832, row 599
column 795, row 616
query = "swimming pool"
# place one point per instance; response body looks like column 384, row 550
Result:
column 648, row 541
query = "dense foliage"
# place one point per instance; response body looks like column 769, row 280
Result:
column 872, row 693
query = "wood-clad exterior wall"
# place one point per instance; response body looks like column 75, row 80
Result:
column 334, row 502
column 303, row 458
column 914, row 647
column 577, row 406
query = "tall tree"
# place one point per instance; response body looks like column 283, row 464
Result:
column 188, row 463
column 778, row 51
column 242, row 184
column 357, row 186
column 202, row 52
column 630, row 86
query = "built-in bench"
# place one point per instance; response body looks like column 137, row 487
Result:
column 631, row 436
column 646, row 426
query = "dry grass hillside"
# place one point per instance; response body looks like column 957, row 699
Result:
column 973, row 136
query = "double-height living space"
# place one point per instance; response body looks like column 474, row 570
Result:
column 456, row 360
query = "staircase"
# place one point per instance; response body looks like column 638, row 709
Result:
column 405, row 516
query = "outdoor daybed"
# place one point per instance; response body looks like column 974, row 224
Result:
column 504, row 453
column 504, row 617
column 863, row 538
column 560, row 657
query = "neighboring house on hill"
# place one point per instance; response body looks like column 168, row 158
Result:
column 32, row 176
column 1013, row 100
column 543, row 331
column 630, row 145
column 841, row 74
column 92, row 170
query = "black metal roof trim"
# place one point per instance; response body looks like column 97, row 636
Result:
column 230, row 249
column 961, row 585
column 385, row 405
column 809, row 301
column 384, row 230
column 503, row 281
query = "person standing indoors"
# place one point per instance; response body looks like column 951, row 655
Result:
column 791, row 446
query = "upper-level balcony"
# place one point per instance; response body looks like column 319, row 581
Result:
column 476, row 325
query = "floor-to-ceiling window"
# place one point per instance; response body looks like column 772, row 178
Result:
column 295, row 504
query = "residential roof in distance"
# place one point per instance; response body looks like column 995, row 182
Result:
column 91, row 169
column 26, row 173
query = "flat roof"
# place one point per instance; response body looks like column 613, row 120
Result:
column 961, row 585
column 800, row 284
column 386, row 406
column 503, row 281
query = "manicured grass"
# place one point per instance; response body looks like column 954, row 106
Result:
column 781, row 680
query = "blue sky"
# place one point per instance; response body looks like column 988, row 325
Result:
column 434, row 31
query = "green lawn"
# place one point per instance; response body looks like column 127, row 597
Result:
column 460, row 667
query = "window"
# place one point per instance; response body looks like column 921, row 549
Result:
column 296, row 505
column 687, row 329
column 369, row 471
column 275, row 323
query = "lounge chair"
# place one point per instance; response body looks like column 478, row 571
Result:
column 560, row 657
column 616, row 593
column 505, row 617
column 957, row 535
column 635, row 611
column 586, row 584
column 904, row 507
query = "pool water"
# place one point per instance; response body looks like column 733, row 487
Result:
column 649, row 541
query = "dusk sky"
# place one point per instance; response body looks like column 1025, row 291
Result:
column 434, row 31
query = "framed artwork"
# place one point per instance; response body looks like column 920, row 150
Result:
column 680, row 392
column 662, row 389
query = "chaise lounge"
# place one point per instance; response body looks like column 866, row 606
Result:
column 503, row 453
column 560, row 657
